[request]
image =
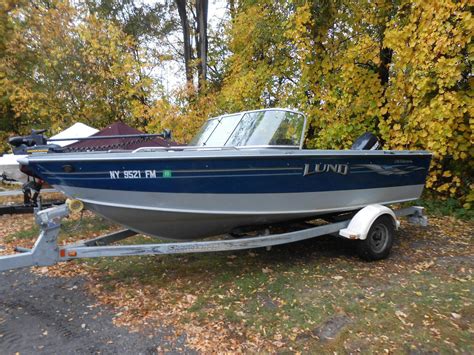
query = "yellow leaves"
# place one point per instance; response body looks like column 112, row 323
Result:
column 443, row 188
column 470, row 197
column 67, row 66
column 184, row 121
column 422, row 96
column 327, row 64
column 298, row 28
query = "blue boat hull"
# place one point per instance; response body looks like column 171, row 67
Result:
column 192, row 195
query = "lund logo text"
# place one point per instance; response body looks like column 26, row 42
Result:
column 342, row 169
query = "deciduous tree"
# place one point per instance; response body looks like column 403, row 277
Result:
column 61, row 66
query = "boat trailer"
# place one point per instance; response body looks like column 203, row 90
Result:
column 46, row 250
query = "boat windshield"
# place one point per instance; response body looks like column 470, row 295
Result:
column 264, row 127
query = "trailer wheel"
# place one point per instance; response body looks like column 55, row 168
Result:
column 379, row 240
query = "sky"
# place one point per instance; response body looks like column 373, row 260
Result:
column 172, row 73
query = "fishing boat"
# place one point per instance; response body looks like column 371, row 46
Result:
column 241, row 170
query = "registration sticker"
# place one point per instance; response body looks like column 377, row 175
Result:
column 138, row 174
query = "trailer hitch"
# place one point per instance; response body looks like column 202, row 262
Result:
column 45, row 249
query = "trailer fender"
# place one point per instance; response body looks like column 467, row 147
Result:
column 362, row 221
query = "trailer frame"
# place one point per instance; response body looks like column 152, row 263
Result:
column 46, row 250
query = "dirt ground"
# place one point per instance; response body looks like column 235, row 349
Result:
column 47, row 315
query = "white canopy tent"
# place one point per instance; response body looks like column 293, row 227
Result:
column 77, row 130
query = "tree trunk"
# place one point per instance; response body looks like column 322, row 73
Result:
column 201, row 12
column 385, row 56
column 232, row 9
column 197, row 41
column 181, row 4
column 385, row 53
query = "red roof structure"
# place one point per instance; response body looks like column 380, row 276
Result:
column 128, row 143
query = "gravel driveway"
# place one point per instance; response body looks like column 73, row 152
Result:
column 47, row 315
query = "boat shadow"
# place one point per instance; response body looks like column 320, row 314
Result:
column 226, row 265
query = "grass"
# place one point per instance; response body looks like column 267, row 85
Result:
column 288, row 292
column 69, row 229
column 449, row 207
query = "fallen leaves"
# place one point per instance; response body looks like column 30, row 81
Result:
column 254, row 302
column 455, row 315
column 400, row 315
column 190, row 299
column 423, row 266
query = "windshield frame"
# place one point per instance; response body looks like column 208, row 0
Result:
column 244, row 113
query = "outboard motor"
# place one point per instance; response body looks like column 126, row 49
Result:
column 367, row 141
column 34, row 143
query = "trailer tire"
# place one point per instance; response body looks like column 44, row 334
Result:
column 379, row 240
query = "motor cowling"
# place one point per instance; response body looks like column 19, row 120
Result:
column 367, row 141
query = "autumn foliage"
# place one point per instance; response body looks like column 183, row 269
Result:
column 60, row 64
column 401, row 69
